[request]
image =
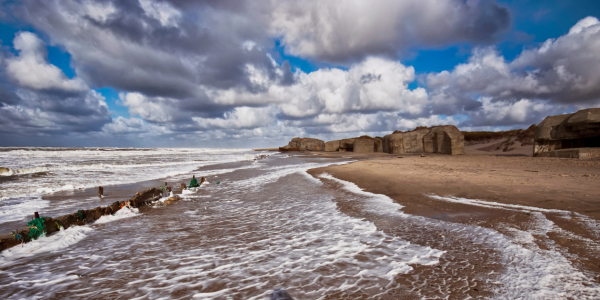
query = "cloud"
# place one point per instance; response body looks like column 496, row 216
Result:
column 34, row 113
column 193, row 70
column 44, row 102
column 31, row 68
column 240, row 117
column 346, row 31
column 547, row 79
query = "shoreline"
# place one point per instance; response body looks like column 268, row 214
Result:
column 512, row 191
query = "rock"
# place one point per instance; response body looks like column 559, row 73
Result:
column 332, row 146
column 67, row 221
column 364, row 146
column 145, row 197
column 281, row 294
column 570, row 131
column 172, row 200
column 50, row 225
column 304, row 144
column 92, row 215
column 4, row 170
column 115, row 206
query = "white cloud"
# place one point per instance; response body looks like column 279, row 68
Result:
column 31, row 68
column 135, row 126
column 154, row 109
column 373, row 85
column 540, row 81
column 240, row 117
column 347, row 30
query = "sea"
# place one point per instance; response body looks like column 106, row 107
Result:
column 258, row 224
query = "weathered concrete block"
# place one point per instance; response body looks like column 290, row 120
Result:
column 569, row 131
column 304, row 144
column 364, row 146
column 347, row 144
column 332, row 146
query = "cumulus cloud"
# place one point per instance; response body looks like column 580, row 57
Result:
column 44, row 102
column 240, row 117
column 345, row 31
column 31, row 68
column 547, row 79
column 208, row 68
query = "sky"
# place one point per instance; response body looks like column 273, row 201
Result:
column 243, row 74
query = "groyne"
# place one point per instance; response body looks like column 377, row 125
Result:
column 49, row 225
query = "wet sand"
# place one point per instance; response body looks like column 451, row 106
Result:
column 548, row 188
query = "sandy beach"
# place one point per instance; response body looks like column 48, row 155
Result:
column 502, row 192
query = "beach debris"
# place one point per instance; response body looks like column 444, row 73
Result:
column 281, row 294
column 422, row 155
column 218, row 182
column 260, row 156
column 172, row 199
column 400, row 156
column 441, row 235
column 4, row 170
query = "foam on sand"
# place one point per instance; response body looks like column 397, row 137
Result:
column 57, row 241
column 532, row 272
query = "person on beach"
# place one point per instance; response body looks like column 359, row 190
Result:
column 194, row 182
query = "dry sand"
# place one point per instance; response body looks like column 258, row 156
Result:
column 506, row 178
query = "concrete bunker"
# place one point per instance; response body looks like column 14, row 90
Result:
column 574, row 135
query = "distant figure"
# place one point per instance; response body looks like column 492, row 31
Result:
column 194, row 182
column 280, row 294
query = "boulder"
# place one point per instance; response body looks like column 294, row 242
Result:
column 67, row 221
column 304, row 144
column 332, row 146
column 50, row 225
column 145, row 197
